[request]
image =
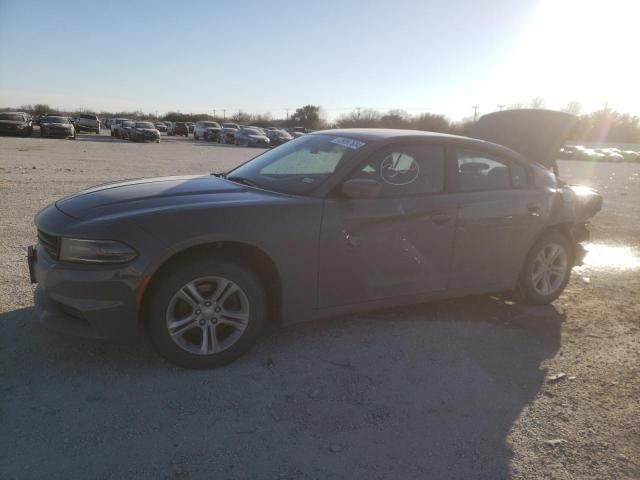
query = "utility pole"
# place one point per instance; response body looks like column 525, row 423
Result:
column 224, row 114
column 501, row 106
column 475, row 112
column 287, row 110
column 358, row 109
column 214, row 113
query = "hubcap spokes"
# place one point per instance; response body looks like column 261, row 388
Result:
column 549, row 269
column 207, row 315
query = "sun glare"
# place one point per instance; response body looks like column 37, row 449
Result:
column 582, row 50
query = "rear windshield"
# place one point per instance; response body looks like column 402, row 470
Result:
column 251, row 131
column 210, row 124
column 145, row 125
column 89, row 117
column 55, row 120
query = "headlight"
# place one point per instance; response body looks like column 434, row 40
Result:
column 95, row 251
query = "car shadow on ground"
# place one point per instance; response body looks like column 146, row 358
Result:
column 429, row 391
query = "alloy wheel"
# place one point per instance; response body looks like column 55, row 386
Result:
column 207, row 315
column 549, row 269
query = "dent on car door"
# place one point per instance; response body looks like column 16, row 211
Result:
column 499, row 213
column 394, row 245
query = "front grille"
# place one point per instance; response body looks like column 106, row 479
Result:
column 50, row 243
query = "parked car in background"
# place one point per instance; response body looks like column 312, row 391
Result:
column 610, row 154
column 579, row 152
column 206, row 130
column 278, row 137
column 191, row 126
column 251, row 137
column 358, row 219
column 116, row 124
column 57, row 126
column 227, row 135
column 16, row 123
column 125, row 129
column 296, row 132
column 142, row 132
column 87, row 123
column 161, row 126
column 178, row 128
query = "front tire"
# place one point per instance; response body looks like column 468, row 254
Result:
column 205, row 314
column 546, row 271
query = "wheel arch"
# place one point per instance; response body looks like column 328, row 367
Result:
column 247, row 255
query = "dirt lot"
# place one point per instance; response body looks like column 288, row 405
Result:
column 456, row 389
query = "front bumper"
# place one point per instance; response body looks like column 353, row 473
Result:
column 58, row 133
column 96, row 302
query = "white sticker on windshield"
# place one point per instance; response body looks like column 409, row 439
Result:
column 348, row 142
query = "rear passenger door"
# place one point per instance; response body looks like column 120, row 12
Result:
column 498, row 216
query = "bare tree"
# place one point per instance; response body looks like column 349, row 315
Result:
column 573, row 108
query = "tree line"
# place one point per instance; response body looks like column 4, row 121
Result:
column 604, row 125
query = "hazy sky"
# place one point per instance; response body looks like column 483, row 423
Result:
column 265, row 56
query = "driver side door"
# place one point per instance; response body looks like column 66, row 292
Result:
column 398, row 244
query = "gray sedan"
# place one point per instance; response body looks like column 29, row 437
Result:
column 332, row 222
column 251, row 137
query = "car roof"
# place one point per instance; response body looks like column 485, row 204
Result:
column 389, row 135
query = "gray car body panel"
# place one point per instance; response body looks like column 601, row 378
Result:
column 332, row 254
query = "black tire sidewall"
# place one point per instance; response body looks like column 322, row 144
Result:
column 526, row 292
column 175, row 278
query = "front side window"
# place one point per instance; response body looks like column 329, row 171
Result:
column 479, row 171
column 411, row 169
column 298, row 166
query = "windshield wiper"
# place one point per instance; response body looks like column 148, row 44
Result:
column 244, row 181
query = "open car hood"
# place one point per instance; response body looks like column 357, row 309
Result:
column 536, row 134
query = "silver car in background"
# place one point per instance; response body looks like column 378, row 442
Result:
column 206, row 130
column 252, row 137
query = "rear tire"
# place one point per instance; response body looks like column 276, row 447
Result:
column 546, row 270
column 192, row 300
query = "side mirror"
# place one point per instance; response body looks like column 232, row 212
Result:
column 361, row 188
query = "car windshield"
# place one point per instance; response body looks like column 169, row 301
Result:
column 128, row 124
column 210, row 124
column 89, row 117
column 144, row 125
column 251, row 131
column 15, row 117
column 297, row 167
column 229, row 125
column 283, row 134
column 55, row 120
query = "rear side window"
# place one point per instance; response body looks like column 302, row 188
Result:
column 410, row 169
column 479, row 171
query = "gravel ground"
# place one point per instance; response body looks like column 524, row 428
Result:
column 458, row 389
